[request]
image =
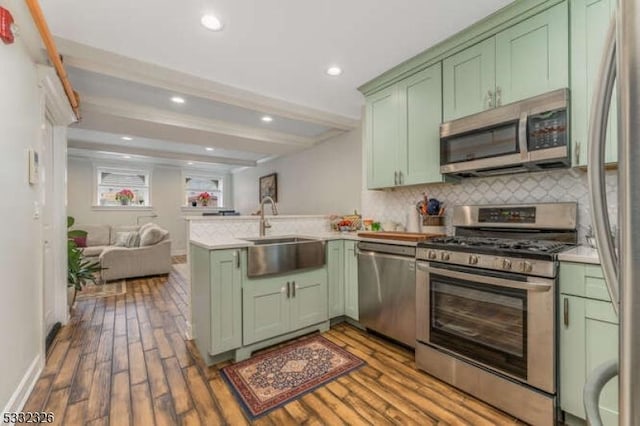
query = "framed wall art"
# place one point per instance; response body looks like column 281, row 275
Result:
column 269, row 186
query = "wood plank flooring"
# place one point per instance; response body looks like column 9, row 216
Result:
column 122, row 360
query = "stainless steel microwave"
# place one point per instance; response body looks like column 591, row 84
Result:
column 528, row 135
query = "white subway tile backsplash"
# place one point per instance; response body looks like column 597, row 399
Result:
column 551, row 186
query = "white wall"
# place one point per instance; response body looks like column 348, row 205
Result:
column 20, row 246
column 166, row 200
column 324, row 179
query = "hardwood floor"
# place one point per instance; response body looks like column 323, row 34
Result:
column 122, row 360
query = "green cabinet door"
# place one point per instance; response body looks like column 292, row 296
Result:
column 420, row 101
column 335, row 277
column 351, row 280
column 309, row 299
column 226, row 301
column 590, row 20
column 468, row 80
column 532, row 57
column 588, row 338
column 381, row 134
column 266, row 309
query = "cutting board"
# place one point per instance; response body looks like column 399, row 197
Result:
column 399, row 236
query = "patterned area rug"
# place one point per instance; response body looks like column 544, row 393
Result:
column 102, row 290
column 270, row 380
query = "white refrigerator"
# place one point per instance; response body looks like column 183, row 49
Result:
column 621, row 264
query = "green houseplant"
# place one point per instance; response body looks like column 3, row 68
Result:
column 80, row 271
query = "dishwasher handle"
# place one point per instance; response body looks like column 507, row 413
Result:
column 377, row 254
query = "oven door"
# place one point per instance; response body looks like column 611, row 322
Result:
column 501, row 321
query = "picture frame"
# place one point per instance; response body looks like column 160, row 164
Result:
column 34, row 166
column 268, row 186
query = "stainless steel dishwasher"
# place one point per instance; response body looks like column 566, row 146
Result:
column 387, row 290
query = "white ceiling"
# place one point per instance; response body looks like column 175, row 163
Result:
column 128, row 58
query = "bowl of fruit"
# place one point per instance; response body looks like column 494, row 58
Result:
column 345, row 225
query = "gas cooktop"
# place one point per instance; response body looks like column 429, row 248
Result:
column 496, row 245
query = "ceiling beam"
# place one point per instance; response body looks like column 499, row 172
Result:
column 119, row 149
column 125, row 109
column 107, row 63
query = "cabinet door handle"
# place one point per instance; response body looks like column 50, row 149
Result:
column 293, row 284
column 238, row 259
column 498, row 96
column 395, row 178
column 400, row 178
column 288, row 290
column 577, row 152
column 566, row 312
column 489, row 98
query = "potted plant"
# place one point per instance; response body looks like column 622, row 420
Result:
column 125, row 196
column 204, row 198
column 80, row 271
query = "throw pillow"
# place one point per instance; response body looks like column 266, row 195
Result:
column 145, row 226
column 152, row 235
column 81, row 242
column 128, row 239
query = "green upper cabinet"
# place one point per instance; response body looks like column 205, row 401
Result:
column 420, row 100
column 532, row 57
column 590, row 20
column 524, row 60
column 402, row 131
column 382, row 138
column 469, row 80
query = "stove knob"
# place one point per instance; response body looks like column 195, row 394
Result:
column 506, row 264
column 444, row 256
column 526, row 267
column 432, row 255
column 473, row 259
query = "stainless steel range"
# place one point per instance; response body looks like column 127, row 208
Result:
column 486, row 304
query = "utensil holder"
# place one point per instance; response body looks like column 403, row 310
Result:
column 433, row 220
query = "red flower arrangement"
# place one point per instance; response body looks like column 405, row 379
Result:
column 125, row 194
column 204, row 198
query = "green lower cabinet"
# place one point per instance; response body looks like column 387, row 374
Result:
column 588, row 338
column 335, row 269
column 216, row 277
column 309, row 299
column 278, row 305
column 351, row 280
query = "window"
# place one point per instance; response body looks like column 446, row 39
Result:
column 121, row 187
column 197, row 184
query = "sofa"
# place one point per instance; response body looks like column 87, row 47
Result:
column 126, row 262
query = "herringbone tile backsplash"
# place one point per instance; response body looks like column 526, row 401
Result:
column 552, row 186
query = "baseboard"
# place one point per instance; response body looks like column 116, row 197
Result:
column 181, row 252
column 19, row 398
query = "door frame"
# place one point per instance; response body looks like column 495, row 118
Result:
column 55, row 108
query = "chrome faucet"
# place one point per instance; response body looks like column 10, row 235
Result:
column 263, row 222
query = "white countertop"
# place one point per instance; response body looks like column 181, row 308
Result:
column 220, row 243
column 257, row 217
column 580, row 254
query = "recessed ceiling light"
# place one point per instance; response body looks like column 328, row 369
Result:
column 177, row 100
column 127, row 138
column 211, row 22
column 334, row 71
column 190, row 163
column 126, row 157
column 209, row 148
column 267, row 119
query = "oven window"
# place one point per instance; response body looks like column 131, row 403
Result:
column 485, row 323
column 493, row 142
